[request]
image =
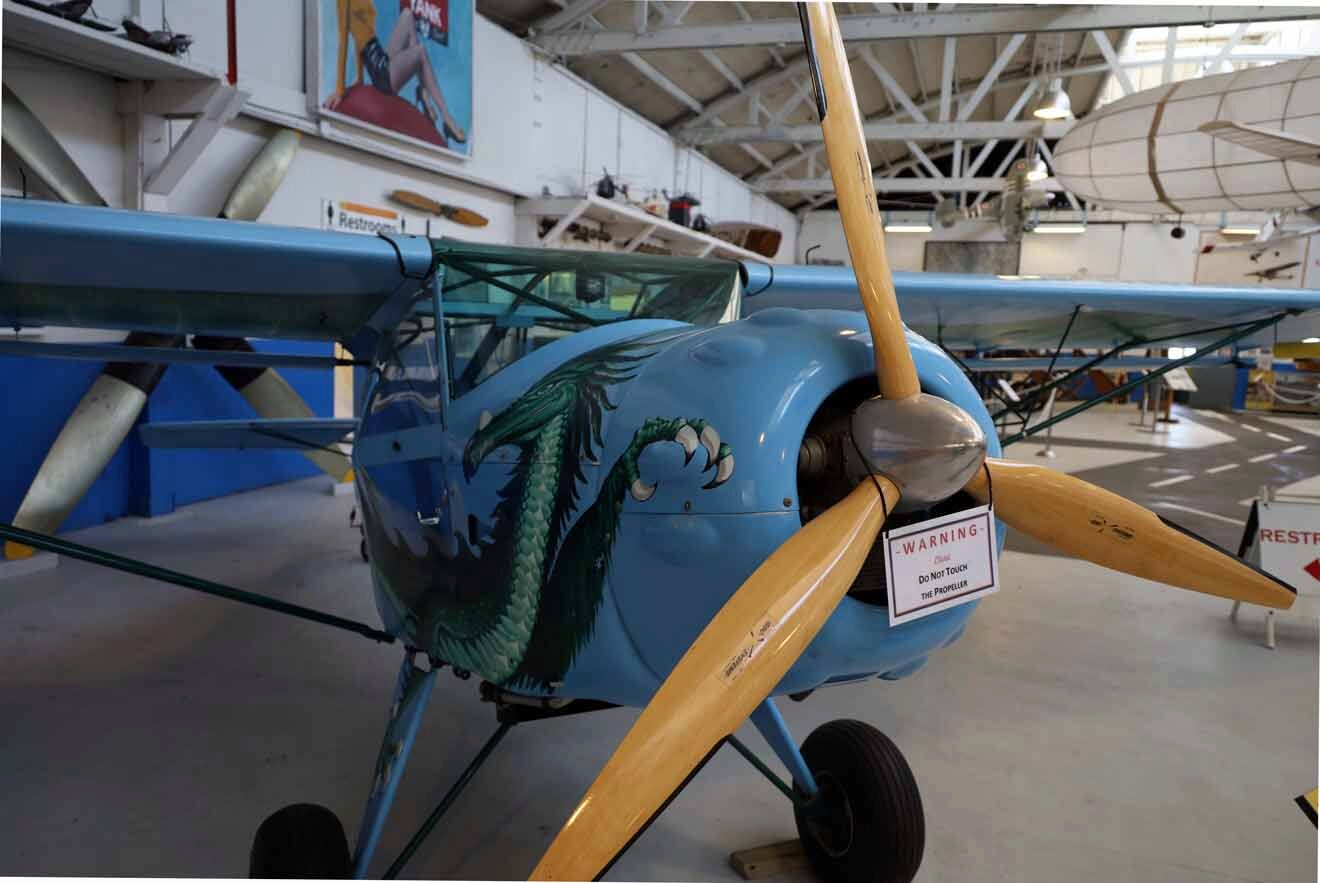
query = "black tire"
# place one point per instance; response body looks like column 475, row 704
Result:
column 303, row 841
column 865, row 824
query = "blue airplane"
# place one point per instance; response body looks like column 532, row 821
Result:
column 586, row 479
column 568, row 461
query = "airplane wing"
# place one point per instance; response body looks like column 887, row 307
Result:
column 1271, row 142
column 984, row 312
column 65, row 265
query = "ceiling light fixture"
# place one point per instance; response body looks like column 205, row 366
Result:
column 1055, row 103
column 1037, row 171
column 908, row 228
column 1060, row 228
column 1239, row 231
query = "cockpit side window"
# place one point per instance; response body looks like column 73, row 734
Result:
column 501, row 304
column 409, row 386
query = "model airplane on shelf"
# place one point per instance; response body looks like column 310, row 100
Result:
column 586, row 481
column 69, row 10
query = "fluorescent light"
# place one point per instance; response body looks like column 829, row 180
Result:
column 1015, row 278
column 1239, row 231
column 1311, row 340
column 1060, row 228
column 907, row 228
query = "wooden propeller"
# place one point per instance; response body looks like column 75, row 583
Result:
column 1091, row 523
column 850, row 167
column 456, row 213
column 733, row 665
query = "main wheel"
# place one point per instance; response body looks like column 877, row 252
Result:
column 303, row 841
column 865, row 824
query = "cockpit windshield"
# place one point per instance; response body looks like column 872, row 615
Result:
column 502, row 303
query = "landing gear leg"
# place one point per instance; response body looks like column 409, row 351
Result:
column 307, row 841
column 410, row 698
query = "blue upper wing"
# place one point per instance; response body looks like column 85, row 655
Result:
column 990, row 312
column 98, row 267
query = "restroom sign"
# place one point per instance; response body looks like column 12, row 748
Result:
column 355, row 217
column 1289, row 542
column 940, row 563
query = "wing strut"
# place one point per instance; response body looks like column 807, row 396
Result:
column 197, row 584
column 1023, row 411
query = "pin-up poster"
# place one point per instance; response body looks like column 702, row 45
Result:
column 400, row 67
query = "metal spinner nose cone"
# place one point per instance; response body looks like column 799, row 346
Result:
column 929, row 447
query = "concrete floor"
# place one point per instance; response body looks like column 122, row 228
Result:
column 1089, row 727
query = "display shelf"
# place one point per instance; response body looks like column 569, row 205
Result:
column 43, row 34
column 629, row 225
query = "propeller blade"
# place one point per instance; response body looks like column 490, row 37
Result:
column 733, row 665
column 1089, row 522
column 262, row 177
column 417, row 201
column 34, row 144
column 269, row 394
column 465, row 216
column 850, row 167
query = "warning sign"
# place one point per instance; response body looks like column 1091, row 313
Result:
column 940, row 563
column 1289, row 542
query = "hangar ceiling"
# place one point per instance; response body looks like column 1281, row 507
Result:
column 947, row 90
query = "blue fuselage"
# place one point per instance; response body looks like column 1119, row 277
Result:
column 512, row 538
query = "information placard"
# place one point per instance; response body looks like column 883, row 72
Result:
column 1289, row 538
column 940, row 563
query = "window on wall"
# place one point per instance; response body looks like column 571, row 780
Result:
column 501, row 304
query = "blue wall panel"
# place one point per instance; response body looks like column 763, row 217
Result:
column 37, row 396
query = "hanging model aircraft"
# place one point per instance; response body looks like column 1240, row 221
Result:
column 1014, row 208
column 1271, row 234
column 585, row 481
column 1269, row 274
column 1241, row 141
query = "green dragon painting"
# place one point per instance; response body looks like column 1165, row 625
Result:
column 516, row 603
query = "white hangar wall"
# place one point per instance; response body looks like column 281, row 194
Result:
column 535, row 126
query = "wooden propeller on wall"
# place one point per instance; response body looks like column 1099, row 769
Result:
column 456, row 213
column 766, row 625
